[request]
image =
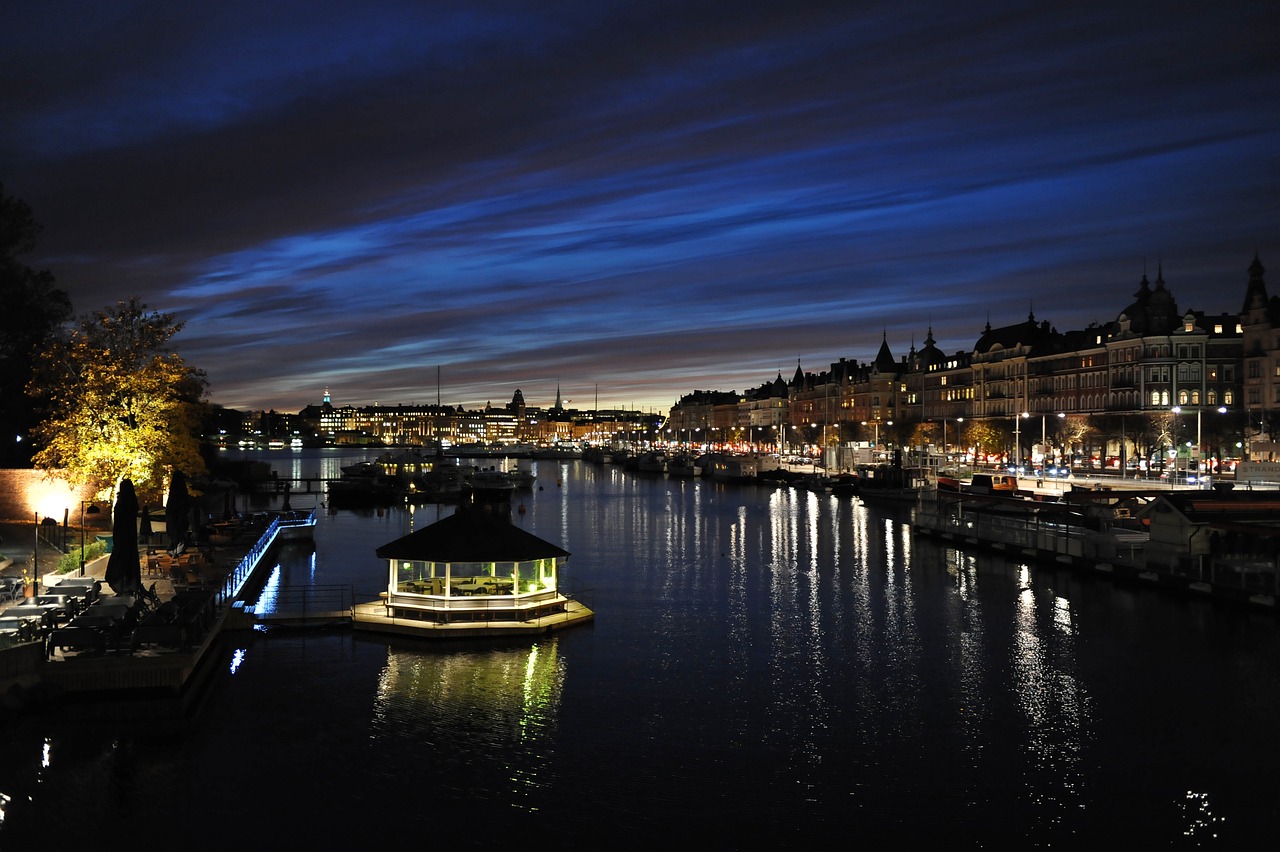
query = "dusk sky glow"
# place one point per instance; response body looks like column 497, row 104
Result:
column 641, row 197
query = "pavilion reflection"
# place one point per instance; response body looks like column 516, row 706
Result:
column 499, row 707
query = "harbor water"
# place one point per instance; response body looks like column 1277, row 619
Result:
column 768, row 669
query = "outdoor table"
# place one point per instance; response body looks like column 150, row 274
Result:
column 117, row 607
column 88, row 587
column 44, row 614
column 21, row 627
column 97, row 620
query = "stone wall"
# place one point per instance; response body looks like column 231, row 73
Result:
column 24, row 493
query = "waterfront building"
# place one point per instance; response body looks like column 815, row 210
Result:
column 1107, row 391
column 701, row 416
column 1260, row 329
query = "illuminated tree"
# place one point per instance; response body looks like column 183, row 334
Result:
column 923, row 434
column 118, row 402
column 984, row 436
column 33, row 309
column 1076, row 431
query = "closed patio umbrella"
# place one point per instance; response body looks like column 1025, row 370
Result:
column 144, row 526
column 177, row 510
column 124, row 570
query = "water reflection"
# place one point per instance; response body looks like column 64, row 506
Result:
column 492, row 714
column 768, row 669
column 1051, row 698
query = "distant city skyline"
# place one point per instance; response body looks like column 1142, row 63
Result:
column 640, row 198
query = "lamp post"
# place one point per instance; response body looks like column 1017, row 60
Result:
column 1017, row 440
column 1177, row 409
column 1043, row 437
column 959, row 420
column 92, row 510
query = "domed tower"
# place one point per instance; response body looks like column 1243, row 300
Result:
column 516, row 405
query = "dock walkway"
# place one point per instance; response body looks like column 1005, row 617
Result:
column 150, row 669
column 1058, row 538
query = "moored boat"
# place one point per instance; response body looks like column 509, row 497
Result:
column 891, row 482
column 682, row 465
column 731, row 468
column 654, row 461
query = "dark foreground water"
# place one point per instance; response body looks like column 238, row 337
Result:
column 767, row 670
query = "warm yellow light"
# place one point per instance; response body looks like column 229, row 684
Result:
column 50, row 498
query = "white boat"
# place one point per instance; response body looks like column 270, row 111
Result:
column 558, row 450
column 363, row 469
column 492, row 482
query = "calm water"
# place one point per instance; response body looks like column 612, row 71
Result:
column 768, row 669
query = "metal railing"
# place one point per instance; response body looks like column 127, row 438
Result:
column 300, row 603
column 235, row 581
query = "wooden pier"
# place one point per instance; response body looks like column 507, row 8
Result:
column 154, row 675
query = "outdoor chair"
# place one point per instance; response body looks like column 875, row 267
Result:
column 9, row 588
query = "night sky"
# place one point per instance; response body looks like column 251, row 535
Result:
column 630, row 199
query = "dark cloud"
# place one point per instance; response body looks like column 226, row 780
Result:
column 647, row 197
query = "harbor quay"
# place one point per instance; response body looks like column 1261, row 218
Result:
column 1220, row 543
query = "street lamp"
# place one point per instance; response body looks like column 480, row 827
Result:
column 876, row 424
column 1177, row 409
column 959, row 420
column 1043, row 438
column 92, row 510
column 1017, row 439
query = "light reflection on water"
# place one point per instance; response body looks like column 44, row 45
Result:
column 769, row 668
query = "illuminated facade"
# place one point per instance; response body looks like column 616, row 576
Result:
column 1151, row 358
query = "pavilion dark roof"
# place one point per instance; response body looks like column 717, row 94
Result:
column 471, row 535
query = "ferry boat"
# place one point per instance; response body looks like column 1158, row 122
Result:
column 558, row 450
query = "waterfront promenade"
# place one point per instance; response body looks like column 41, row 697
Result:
column 154, row 660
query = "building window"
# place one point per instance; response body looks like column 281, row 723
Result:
column 1155, row 398
column 1212, row 397
column 1228, row 398
column 1182, row 398
column 1195, row 397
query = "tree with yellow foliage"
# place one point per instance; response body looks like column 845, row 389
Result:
column 118, row 402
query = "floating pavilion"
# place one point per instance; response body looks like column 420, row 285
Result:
column 471, row 574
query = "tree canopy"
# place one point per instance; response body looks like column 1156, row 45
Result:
column 34, row 308
column 118, row 401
